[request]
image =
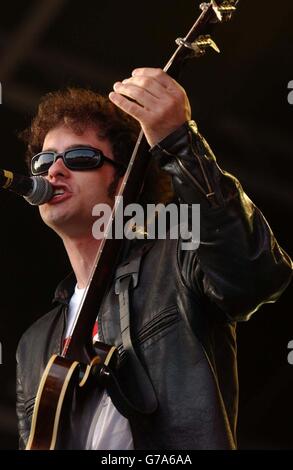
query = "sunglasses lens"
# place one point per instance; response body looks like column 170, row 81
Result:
column 75, row 159
column 79, row 159
column 41, row 163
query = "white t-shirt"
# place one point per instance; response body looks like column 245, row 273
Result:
column 109, row 429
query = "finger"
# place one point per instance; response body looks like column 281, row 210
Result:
column 142, row 96
column 158, row 74
column 149, row 84
column 130, row 107
column 163, row 80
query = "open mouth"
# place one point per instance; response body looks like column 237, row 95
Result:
column 58, row 192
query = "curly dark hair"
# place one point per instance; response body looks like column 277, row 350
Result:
column 79, row 108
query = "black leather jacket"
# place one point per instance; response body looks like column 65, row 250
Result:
column 184, row 309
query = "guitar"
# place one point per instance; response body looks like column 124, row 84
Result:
column 69, row 384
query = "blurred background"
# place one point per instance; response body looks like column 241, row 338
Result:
column 239, row 99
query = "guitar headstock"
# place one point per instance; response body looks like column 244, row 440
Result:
column 224, row 10
column 198, row 40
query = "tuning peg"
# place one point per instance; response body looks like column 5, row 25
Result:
column 223, row 12
column 200, row 45
column 226, row 9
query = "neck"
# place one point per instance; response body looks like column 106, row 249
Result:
column 82, row 253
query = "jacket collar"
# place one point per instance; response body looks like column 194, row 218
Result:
column 65, row 289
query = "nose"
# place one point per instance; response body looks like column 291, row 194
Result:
column 58, row 169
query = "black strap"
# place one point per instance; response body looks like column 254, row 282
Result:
column 127, row 278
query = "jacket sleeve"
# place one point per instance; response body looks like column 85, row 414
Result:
column 238, row 264
column 22, row 420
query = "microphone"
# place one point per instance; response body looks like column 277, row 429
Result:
column 35, row 189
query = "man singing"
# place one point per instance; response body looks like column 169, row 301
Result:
column 185, row 304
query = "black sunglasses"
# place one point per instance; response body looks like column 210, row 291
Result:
column 83, row 158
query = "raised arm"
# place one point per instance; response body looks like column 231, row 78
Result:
column 239, row 264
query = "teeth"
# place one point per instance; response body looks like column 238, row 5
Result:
column 58, row 191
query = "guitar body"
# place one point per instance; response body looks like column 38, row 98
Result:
column 68, row 393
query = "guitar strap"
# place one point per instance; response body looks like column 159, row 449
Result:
column 126, row 279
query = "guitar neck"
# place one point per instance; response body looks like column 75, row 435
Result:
column 194, row 44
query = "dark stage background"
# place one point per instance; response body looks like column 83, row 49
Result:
column 239, row 100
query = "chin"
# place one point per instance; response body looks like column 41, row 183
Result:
column 55, row 219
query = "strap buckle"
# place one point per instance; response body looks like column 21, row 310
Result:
column 130, row 268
